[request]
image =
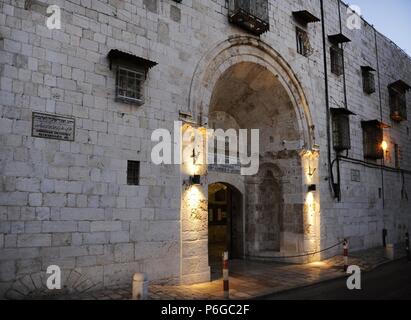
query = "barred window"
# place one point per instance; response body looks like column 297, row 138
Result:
column 129, row 85
column 341, row 132
column 341, row 128
column 373, row 137
column 131, row 72
column 303, row 42
column 368, row 81
column 252, row 15
column 133, row 173
column 336, row 60
column 398, row 104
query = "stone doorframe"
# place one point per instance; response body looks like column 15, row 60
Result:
column 194, row 265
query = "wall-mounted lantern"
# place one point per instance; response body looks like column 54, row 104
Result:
column 312, row 188
column 195, row 180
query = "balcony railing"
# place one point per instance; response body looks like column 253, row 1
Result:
column 251, row 15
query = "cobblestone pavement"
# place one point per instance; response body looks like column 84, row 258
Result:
column 250, row 279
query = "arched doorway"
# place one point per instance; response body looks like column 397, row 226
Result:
column 243, row 83
column 249, row 96
column 225, row 224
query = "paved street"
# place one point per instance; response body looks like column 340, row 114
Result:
column 252, row 279
column 390, row 281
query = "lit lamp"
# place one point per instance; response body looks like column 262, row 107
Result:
column 384, row 146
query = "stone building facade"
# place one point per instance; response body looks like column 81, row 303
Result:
column 89, row 198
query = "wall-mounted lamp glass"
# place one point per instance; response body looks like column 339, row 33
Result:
column 384, row 146
column 312, row 188
column 195, row 180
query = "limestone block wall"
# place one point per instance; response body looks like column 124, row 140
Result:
column 379, row 199
column 68, row 203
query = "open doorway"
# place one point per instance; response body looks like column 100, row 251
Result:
column 225, row 225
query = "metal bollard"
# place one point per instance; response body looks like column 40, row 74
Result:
column 407, row 246
column 345, row 253
column 140, row 287
column 226, row 285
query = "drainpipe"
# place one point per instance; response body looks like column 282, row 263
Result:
column 327, row 99
column 381, row 115
column 338, row 192
column 343, row 59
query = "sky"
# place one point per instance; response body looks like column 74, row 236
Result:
column 390, row 17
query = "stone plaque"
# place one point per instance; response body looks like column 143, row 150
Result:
column 355, row 175
column 52, row 126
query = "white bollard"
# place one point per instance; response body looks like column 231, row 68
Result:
column 140, row 286
column 389, row 251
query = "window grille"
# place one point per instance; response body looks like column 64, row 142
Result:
column 133, row 173
column 368, row 81
column 398, row 104
column 130, row 71
column 336, row 60
column 341, row 128
column 373, row 138
column 129, row 85
column 251, row 15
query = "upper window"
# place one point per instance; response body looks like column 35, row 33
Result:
column 130, row 85
column 398, row 100
column 303, row 42
column 398, row 105
column 336, row 54
column 373, row 137
column 251, row 15
column 131, row 72
column 133, row 173
column 341, row 128
column 368, row 80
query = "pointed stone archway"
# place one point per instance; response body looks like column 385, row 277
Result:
column 243, row 83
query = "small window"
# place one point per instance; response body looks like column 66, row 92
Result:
column 336, row 60
column 398, row 104
column 129, row 85
column 341, row 132
column 303, row 43
column 133, row 173
column 368, row 81
column 373, row 137
column 341, row 129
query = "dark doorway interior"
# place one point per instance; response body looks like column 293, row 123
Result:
column 225, row 225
